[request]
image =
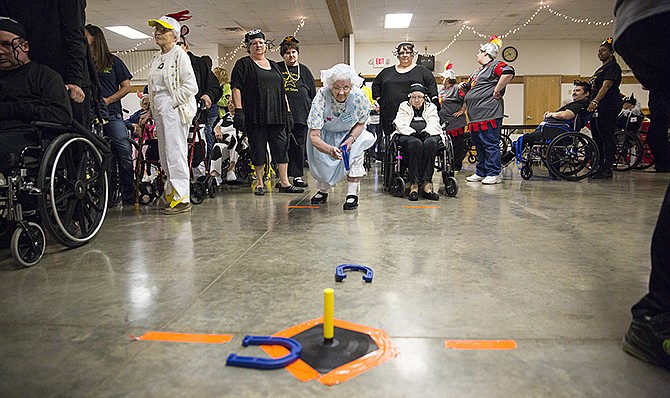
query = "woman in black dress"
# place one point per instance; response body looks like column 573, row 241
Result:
column 391, row 86
column 261, row 110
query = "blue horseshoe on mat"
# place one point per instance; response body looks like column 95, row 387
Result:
column 265, row 363
column 340, row 275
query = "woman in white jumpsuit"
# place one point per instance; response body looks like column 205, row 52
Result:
column 172, row 89
column 337, row 118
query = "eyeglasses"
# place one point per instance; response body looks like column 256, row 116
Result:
column 345, row 89
column 417, row 97
column 405, row 53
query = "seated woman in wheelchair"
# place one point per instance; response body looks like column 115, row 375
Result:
column 225, row 149
column 557, row 122
column 631, row 117
column 417, row 132
column 28, row 92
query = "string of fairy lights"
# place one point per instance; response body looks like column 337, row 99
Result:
column 517, row 28
column 231, row 55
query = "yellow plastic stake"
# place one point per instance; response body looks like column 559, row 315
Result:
column 328, row 313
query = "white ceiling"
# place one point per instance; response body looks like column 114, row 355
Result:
column 280, row 18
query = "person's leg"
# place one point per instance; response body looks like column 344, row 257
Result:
column 12, row 145
column 116, row 130
column 645, row 46
column 427, row 164
column 657, row 137
column 411, row 154
column 258, row 143
column 490, row 140
column 480, row 168
column 459, row 151
column 606, row 123
column 278, row 140
column 296, row 151
column 356, row 171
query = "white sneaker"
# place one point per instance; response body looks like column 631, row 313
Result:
column 474, row 178
column 230, row 176
column 490, row 180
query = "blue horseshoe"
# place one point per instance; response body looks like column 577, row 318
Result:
column 340, row 275
column 265, row 363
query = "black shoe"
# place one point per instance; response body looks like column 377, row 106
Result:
column 648, row 339
column 260, row 191
column 290, row 189
column 413, row 196
column 430, row 195
column 319, row 198
column 299, row 182
column 351, row 203
column 603, row 174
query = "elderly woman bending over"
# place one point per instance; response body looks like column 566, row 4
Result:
column 418, row 132
column 337, row 133
column 172, row 90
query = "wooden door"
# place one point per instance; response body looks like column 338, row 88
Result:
column 541, row 94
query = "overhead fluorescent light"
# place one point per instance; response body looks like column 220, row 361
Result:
column 127, row 31
column 397, row 21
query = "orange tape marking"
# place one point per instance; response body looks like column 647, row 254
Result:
column 184, row 337
column 480, row 344
column 304, row 207
column 302, row 371
column 421, row 207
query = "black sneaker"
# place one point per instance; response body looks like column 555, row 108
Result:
column 290, row 189
column 351, row 203
column 648, row 339
column 602, row 174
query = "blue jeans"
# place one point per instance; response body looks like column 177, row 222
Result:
column 212, row 116
column 116, row 130
column 488, row 150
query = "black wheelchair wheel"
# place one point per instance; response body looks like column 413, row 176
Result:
column 399, row 187
column 147, row 193
column 198, row 192
column 572, row 156
column 451, row 187
column 28, row 244
column 629, row 151
column 74, row 190
column 526, row 172
column 647, row 159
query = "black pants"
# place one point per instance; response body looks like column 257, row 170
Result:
column 459, row 151
column 645, row 46
column 12, row 145
column 419, row 156
column 296, row 150
column 259, row 138
column 657, row 136
column 603, row 128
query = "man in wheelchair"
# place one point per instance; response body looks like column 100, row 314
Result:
column 52, row 170
column 556, row 122
column 28, row 92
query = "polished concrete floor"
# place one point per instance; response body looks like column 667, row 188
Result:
column 553, row 265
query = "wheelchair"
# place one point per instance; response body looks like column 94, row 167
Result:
column 59, row 185
column 395, row 170
column 571, row 155
column 629, row 148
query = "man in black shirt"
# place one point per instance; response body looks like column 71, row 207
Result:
column 557, row 122
column 28, row 92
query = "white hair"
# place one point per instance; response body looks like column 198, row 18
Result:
column 340, row 72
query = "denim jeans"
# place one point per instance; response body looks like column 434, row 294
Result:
column 488, row 150
column 212, row 116
column 116, row 130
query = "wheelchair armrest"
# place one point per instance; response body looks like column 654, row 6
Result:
column 54, row 126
